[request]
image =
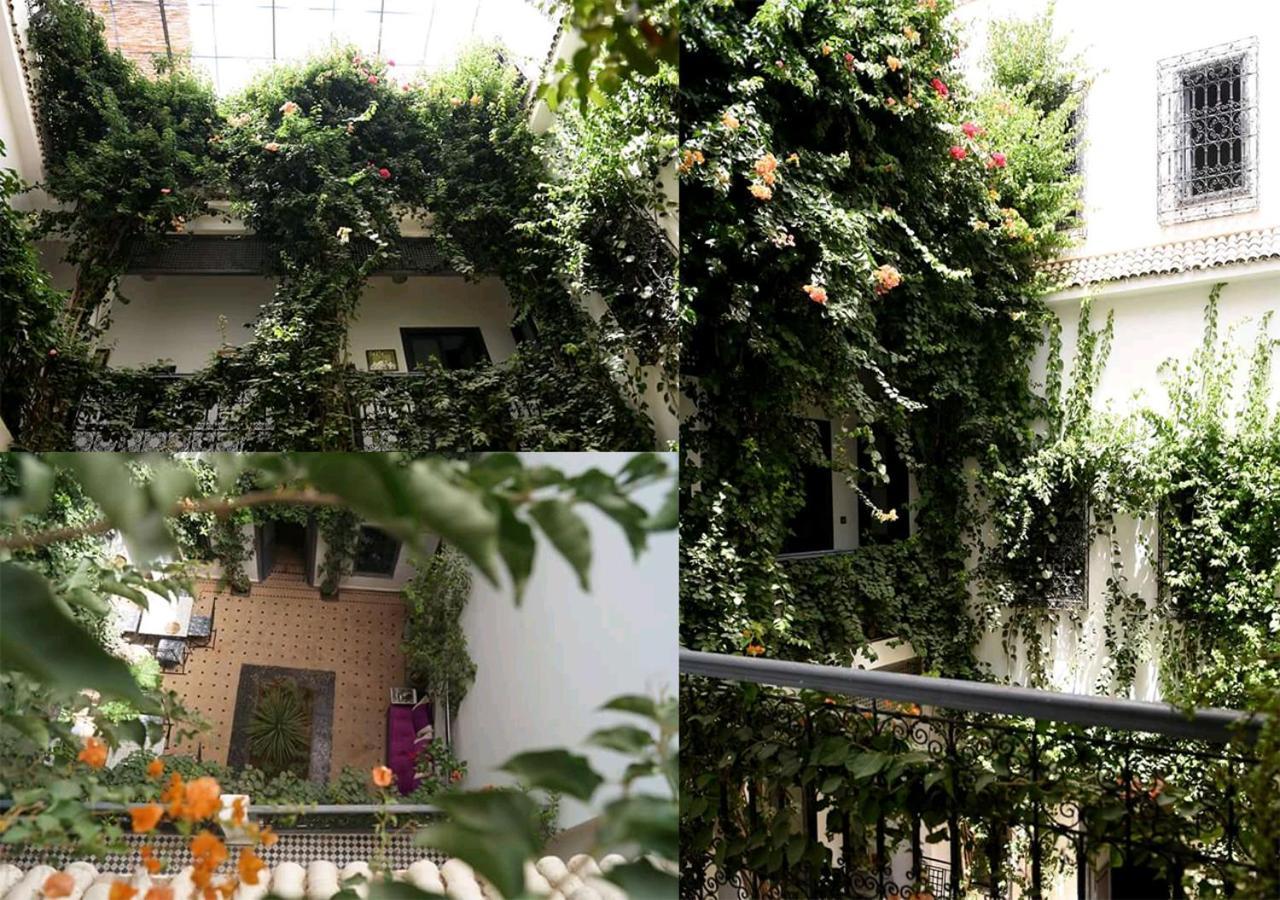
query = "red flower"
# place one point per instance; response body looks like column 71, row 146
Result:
column 958, row 152
column 373, row 79
column 848, row 61
column 997, row 161
column 384, row 173
column 971, row 129
column 941, row 87
column 166, row 191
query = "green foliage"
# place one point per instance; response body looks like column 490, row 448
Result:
column 1206, row 472
column 34, row 335
column 279, row 730
column 323, row 158
column 435, row 646
column 126, row 153
column 608, row 212
column 848, row 265
column 620, row 43
column 495, row 831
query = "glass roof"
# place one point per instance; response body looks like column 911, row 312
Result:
column 232, row 40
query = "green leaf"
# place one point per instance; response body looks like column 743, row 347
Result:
column 644, row 820
column 642, row 881
column 634, row 703
column 622, row 738
column 517, row 547
column 864, row 765
column 667, row 516
column 38, row 637
column 567, row 533
column 494, row 832
column 555, row 770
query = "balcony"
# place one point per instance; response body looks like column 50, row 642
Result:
column 831, row 782
column 526, row 402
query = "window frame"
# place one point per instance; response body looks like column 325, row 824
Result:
column 367, row 573
column 407, row 334
column 1176, row 202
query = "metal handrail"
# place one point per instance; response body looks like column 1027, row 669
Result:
column 288, row 809
column 1215, row 725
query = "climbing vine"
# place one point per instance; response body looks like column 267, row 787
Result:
column 866, row 252
column 323, row 159
column 435, row 644
column 1202, row 476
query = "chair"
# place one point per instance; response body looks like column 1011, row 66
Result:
column 201, row 632
column 171, row 653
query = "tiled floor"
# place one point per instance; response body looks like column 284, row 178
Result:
column 283, row 622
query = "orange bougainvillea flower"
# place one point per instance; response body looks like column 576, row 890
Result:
column 203, row 799
column 730, row 121
column 267, row 837
column 94, row 753
column 159, row 892
column 148, row 855
column 145, row 818
column 249, row 865
column 766, row 167
column 382, row 776
column 59, row 884
column 155, row 768
column 887, row 278
column 761, row 192
column 817, row 293
column 237, row 811
column 172, row 795
column 893, row 63
column 120, row 890
column 209, row 852
column 754, row 649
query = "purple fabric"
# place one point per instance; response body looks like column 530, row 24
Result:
column 421, row 716
column 401, row 749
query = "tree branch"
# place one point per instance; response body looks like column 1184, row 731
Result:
column 219, row 507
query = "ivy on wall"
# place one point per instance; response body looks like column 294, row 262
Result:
column 324, row 159
column 435, row 644
column 868, row 231
column 1203, row 475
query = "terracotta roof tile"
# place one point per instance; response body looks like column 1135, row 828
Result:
column 1167, row 259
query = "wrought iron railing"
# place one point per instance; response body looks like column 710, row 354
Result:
column 834, row 782
column 523, row 403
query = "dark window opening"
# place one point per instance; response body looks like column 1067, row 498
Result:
column 453, row 348
column 523, row 331
column 811, row 528
column 1214, row 113
column 890, row 498
column 376, row 552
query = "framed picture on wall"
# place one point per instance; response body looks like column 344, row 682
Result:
column 382, row 360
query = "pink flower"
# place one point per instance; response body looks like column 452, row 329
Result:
column 997, row 161
column 848, row 61
column 356, row 60
column 941, row 87
column 271, row 147
column 373, row 79
column 971, row 129
column 391, row 62
column 958, row 152
column 166, row 190
column 384, row 173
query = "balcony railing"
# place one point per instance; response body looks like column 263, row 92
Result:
column 834, row 782
column 522, row 403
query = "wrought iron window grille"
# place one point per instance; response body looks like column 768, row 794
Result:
column 1207, row 142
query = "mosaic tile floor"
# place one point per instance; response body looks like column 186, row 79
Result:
column 283, row 622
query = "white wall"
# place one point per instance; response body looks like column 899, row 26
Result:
column 175, row 317
column 17, row 124
column 544, row 669
column 1122, row 42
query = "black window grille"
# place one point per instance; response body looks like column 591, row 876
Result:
column 1208, row 132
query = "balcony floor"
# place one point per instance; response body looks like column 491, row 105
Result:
column 283, row 622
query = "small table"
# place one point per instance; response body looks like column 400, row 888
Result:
column 165, row 617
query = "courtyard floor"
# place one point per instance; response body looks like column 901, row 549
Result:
column 283, row 622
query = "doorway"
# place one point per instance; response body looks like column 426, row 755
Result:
column 285, row 548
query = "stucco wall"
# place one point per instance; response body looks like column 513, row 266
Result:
column 175, row 317
column 1122, row 43
column 543, row 669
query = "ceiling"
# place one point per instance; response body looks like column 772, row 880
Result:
column 231, row 40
